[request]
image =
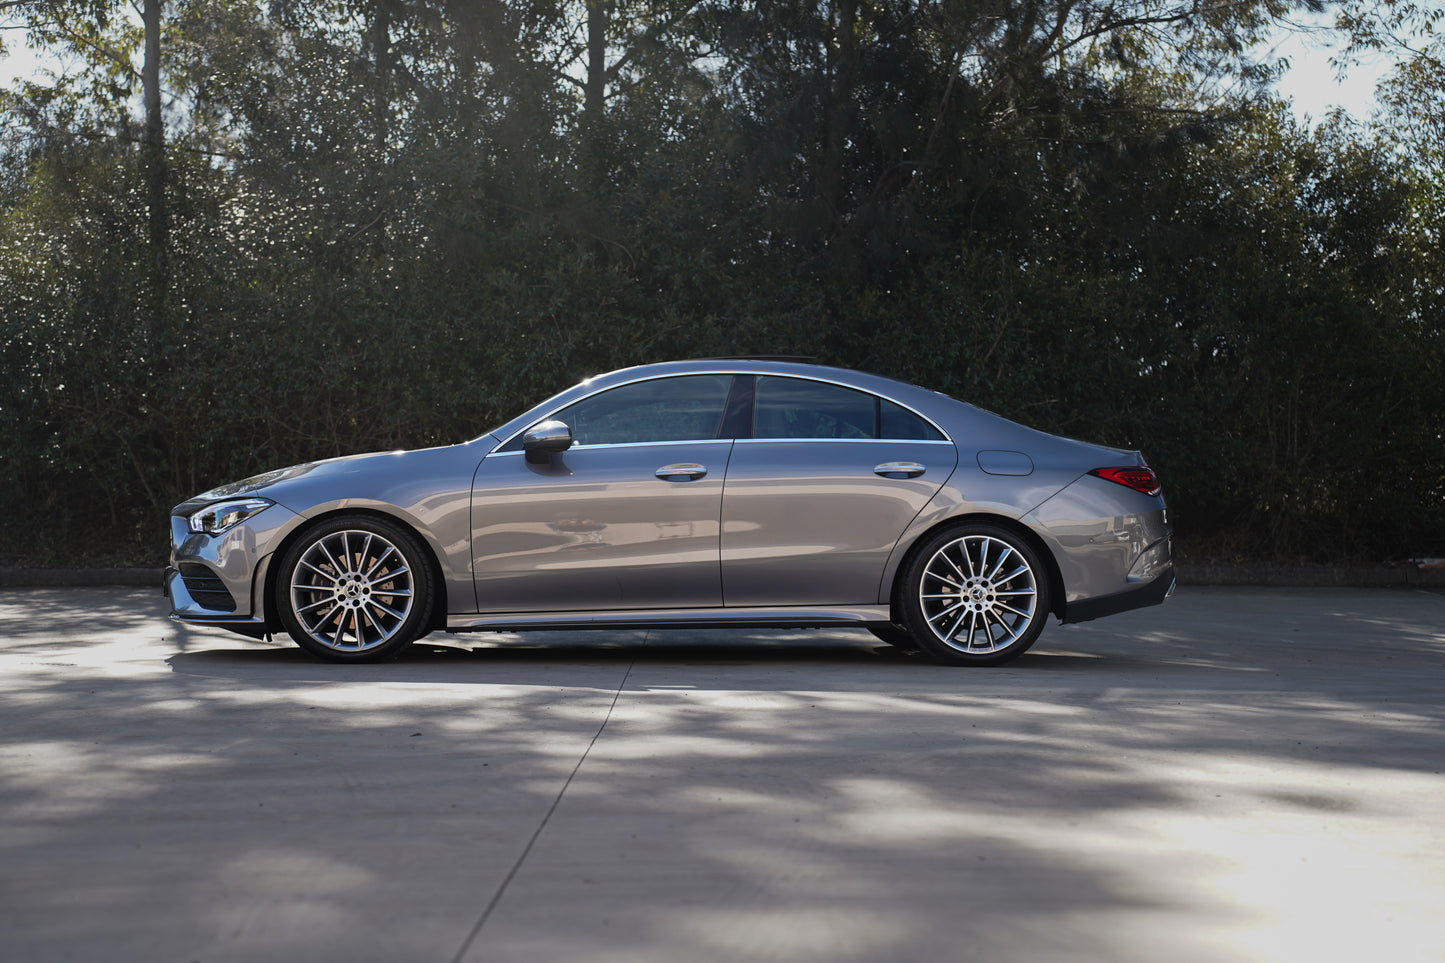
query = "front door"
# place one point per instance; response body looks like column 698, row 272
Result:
column 628, row 518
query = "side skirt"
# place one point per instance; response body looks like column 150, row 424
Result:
column 773, row 617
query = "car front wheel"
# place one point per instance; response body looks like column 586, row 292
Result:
column 355, row 589
column 975, row 595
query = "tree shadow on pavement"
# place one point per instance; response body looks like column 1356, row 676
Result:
column 1133, row 787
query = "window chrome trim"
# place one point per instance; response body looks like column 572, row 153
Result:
column 947, row 438
column 627, row 444
column 854, row 441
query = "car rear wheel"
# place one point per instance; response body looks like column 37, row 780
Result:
column 355, row 589
column 975, row 595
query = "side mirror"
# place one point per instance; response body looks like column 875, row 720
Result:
column 543, row 439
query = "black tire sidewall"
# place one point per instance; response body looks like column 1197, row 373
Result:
column 417, row 561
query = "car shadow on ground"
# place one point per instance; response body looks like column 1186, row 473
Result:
column 464, row 660
column 461, row 653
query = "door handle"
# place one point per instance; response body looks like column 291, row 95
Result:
column 681, row 472
column 899, row 469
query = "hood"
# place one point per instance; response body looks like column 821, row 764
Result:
column 275, row 484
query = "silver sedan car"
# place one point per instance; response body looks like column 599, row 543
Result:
column 720, row 493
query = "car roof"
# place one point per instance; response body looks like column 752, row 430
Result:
column 771, row 365
column 930, row 404
column 964, row 424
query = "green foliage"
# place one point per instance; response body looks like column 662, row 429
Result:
column 391, row 225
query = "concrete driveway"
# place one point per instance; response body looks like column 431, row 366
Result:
column 1238, row 775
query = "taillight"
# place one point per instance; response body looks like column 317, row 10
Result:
column 1140, row 479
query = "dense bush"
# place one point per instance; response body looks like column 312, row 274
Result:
column 368, row 252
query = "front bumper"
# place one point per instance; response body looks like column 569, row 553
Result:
column 219, row 580
column 184, row 608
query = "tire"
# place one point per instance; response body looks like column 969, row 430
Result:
column 355, row 589
column 895, row 635
column 975, row 595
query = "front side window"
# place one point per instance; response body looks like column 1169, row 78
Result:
column 689, row 408
column 794, row 408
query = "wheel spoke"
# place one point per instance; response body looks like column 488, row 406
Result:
column 389, row 611
column 381, row 632
column 963, row 550
column 1018, row 612
column 322, row 619
column 363, row 555
column 1010, row 608
column 329, row 576
column 315, row 605
column 953, row 629
column 943, row 578
column 1007, row 551
column 952, row 608
column 1013, row 575
column 336, row 566
column 951, row 564
column 1002, row 624
column 335, row 618
column 382, row 557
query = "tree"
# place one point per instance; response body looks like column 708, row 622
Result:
column 389, row 222
column 1412, row 95
column 98, row 32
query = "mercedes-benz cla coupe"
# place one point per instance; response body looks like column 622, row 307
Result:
column 702, row 493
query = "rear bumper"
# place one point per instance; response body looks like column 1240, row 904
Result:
column 1150, row 593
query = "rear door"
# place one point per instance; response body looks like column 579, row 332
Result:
column 819, row 495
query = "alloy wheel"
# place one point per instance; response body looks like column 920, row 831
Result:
column 352, row 590
column 978, row 594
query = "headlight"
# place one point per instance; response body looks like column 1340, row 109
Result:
column 215, row 519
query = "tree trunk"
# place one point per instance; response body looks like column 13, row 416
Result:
column 594, row 93
column 381, row 69
column 155, row 159
column 596, row 87
column 843, row 57
column 381, row 64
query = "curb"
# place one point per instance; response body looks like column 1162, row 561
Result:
column 1297, row 576
column 1272, row 576
column 80, row 577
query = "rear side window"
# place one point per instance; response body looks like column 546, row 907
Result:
column 790, row 408
column 689, row 408
column 895, row 421
column 794, row 408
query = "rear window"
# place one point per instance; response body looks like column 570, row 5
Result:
column 795, row 408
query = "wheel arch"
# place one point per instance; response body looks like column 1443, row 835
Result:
column 1011, row 525
column 439, row 605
